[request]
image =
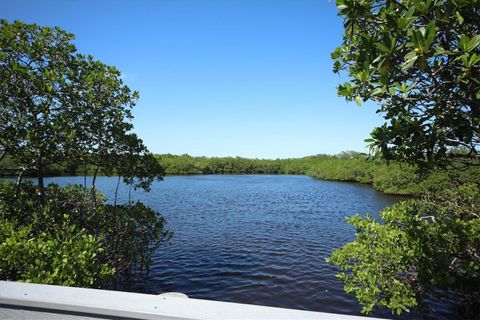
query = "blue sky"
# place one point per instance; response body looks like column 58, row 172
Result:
column 220, row 78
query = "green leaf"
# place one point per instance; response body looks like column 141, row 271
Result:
column 463, row 42
column 439, row 51
column 421, row 6
column 378, row 91
column 474, row 59
column 358, row 100
column 382, row 47
column 430, row 34
column 341, row 5
column 70, row 134
column 404, row 22
column 409, row 63
column 410, row 55
column 410, row 12
column 473, row 43
column 459, row 17
column 337, row 53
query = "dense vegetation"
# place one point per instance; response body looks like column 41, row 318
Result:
column 60, row 107
column 424, row 247
column 186, row 164
column 72, row 240
column 420, row 61
column 389, row 177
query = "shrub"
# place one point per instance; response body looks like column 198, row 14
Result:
column 133, row 232
column 66, row 256
column 72, row 240
column 424, row 248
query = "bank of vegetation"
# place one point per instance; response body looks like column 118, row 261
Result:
column 60, row 107
column 392, row 177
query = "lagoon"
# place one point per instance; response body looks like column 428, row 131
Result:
column 259, row 239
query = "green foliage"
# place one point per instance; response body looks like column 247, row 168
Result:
column 185, row 164
column 424, row 247
column 66, row 256
column 354, row 170
column 72, row 240
column 375, row 266
column 133, row 232
column 35, row 74
column 389, row 177
column 60, row 112
column 420, row 60
column 398, row 178
column 60, row 108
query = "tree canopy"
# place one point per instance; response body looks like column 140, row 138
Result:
column 420, row 60
column 58, row 105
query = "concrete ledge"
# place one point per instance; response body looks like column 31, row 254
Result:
column 142, row 306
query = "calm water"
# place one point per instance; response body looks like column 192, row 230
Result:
column 252, row 238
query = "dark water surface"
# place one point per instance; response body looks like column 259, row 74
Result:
column 256, row 239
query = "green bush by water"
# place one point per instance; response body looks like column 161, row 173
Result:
column 71, row 240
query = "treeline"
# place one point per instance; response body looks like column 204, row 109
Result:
column 181, row 165
column 10, row 167
column 389, row 177
column 393, row 177
column 186, row 164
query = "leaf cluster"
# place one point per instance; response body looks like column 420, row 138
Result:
column 420, row 60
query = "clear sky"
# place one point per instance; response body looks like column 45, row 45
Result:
column 220, row 78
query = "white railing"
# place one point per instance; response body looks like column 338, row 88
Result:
column 141, row 306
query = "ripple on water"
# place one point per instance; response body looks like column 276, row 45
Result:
column 253, row 239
